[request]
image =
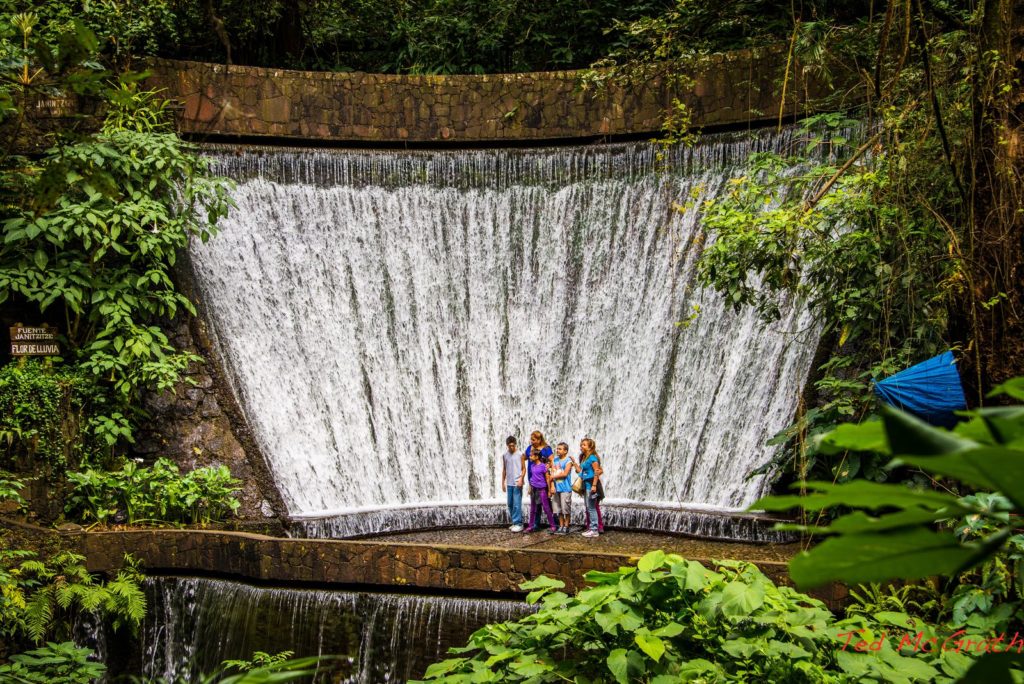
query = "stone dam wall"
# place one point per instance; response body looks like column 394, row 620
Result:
column 223, row 101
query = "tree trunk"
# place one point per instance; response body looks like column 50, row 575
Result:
column 288, row 33
column 996, row 224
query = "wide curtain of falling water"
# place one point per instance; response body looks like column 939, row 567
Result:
column 192, row 625
column 388, row 318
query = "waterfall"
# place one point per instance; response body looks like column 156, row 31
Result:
column 387, row 318
column 195, row 624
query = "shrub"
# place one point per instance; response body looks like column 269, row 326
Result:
column 64, row 663
column 46, row 416
column 38, row 599
column 670, row 620
column 156, row 494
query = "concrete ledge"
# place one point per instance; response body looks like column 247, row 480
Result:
column 344, row 562
column 225, row 101
column 376, row 563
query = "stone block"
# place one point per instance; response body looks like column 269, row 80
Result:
column 275, row 109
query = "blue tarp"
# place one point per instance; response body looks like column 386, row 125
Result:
column 930, row 390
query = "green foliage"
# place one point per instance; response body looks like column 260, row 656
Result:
column 895, row 532
column 47, row 416
column 912, row 599
column 155, row 494
column 260, row 659
column 892, row 534
column 262, row 668
column 99, row 237
column 62, row 663
column 669, row 620
column 873, row 267
column 122, row 30
column 407, row 36
column 10, row 490
column 65, row 663
column 38, row 599
column 92, row 228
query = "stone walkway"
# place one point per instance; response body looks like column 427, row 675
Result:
column 613, row 541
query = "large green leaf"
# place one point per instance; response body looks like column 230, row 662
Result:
column 1013, row 387
column 543, row 582
column 910, row 436
column 995, row 668
column 693, row 576
column 617, row 614
column 862, row 494
column 995, row 468
column 650, row 644
column 651, row 561
column 740, row 599
column 859, row 522
column 670, row 630
column 862, row 558
column 618, row 663
column 1005, row 423
column 867, row 436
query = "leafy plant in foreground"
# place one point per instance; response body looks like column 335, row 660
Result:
column 38, row 598
column 62, row 663
column 670, row 620
column 895, row 532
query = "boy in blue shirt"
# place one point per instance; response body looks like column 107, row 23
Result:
column 562, row 468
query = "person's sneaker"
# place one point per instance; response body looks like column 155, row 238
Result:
column 551, row 530
column 590, row 533
column 516, row 528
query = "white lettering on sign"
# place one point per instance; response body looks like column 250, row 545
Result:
column 23, row 334
column 35, row 350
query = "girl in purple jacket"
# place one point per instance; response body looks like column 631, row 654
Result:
column 540, row 484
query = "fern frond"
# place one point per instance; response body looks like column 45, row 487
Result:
column 90, row 598
column 65, row 594
column 128, row 600
column 39, row 614
column 37, row 568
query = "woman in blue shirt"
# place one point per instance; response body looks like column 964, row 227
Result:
column 590, row 473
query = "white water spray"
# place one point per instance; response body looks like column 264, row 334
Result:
column 389, row 317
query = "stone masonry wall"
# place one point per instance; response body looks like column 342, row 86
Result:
column 193, row 427
column 200, row 423
column 232, row 101
column 363, row 563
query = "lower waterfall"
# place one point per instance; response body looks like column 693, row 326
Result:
column 193, row 624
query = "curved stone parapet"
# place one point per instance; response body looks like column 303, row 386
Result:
column 223, row 101
column 484, row 561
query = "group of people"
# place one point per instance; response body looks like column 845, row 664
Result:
column 550, row 476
